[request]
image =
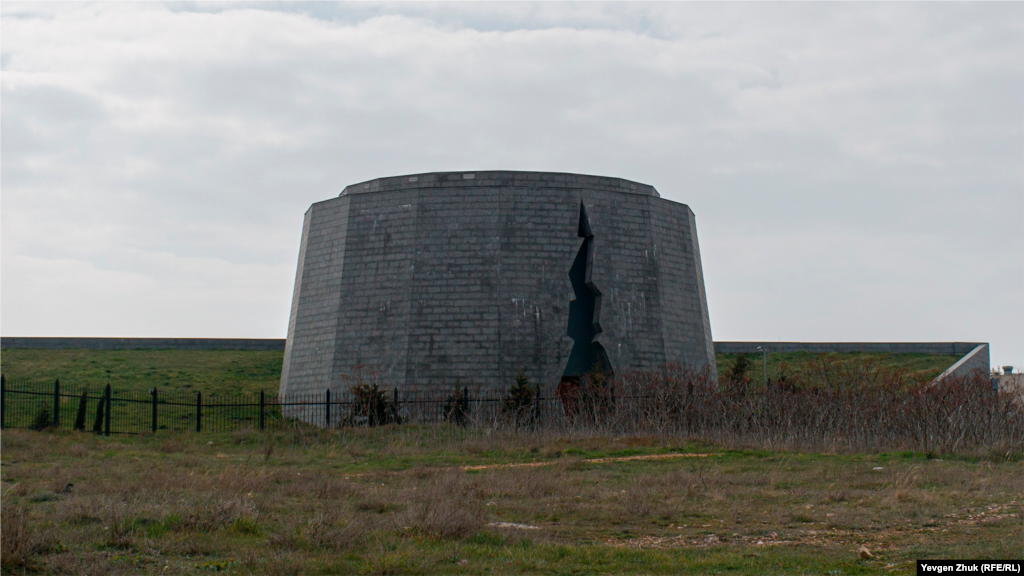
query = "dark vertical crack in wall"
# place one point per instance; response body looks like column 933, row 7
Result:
column 584, row 311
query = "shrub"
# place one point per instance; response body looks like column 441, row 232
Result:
column 738, row 372
column 877, row 410
column 520, row 403
column 42, row 420
column 373, row 404
column 217, row 514
column 449, row 509
column 596, row 392
column 14, row 537
column 456, row 406
column 20, row 544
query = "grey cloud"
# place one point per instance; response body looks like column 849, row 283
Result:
column 889, row 134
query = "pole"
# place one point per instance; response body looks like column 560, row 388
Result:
column 199, row 411
column 153, row 392
column 3, row 399
column 56, row 403
column 106, row 417
column 764, row 354
column 261, row 410
column 327, row 409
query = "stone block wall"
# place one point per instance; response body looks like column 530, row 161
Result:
column 435, row 278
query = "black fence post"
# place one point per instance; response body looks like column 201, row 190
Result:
column 82, row 413
column 108, row 398
column 327, row 408
column 394, row 406
column 537, row 407
column 199, row 411
column 262, row 426
column 97, row 423
column 153, row 392
column 56, row 403
column 3, row 400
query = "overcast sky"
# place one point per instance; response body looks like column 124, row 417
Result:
column 857, row 170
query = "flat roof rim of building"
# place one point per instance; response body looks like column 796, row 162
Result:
column 491, row 178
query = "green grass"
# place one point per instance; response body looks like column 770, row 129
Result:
column 811, row 366
column 209, row 371
column 395, row 500
column 235, row 372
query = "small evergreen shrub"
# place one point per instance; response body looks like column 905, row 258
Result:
column 373, row 404
column 738, row 372
column 520, row 403
column 42, row 420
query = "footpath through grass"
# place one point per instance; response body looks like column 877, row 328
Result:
column 400, row 500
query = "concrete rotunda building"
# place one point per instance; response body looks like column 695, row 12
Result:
column 476, row 276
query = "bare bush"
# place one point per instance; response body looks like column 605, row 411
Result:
column 17, row 542
column 639, row 499
column 845, row 407
column 451, row 508
column 525, row 482
column 324, row 530
column 213, row 515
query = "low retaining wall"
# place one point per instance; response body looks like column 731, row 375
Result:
column 975, row 360
column 269, row 344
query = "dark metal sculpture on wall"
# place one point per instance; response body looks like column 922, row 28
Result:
column 584, row 311
column 587, row 356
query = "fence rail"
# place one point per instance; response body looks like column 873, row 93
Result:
column 109, row 411
column 958, row 414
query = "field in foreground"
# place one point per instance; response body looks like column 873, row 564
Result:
column 248, row 372
column 439, row 499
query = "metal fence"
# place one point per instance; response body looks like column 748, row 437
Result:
column 109, row 411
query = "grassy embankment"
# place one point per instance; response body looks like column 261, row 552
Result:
column 237, row 372
column 809, row 367
column 209, row 371
column 399, row 500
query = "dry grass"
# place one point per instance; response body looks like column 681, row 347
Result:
column 868, row 409
column 397, row 500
